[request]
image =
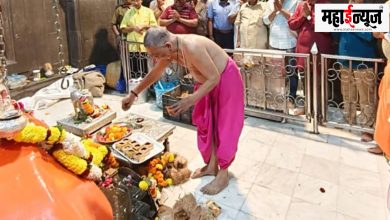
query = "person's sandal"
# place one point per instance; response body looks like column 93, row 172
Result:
column 375, row 150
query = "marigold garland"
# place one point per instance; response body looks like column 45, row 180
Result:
column 79, row 165
column 34, row 134
column 31, row 134
column 63, row 134
column 71, row 162
column 73, row 155
column 55, row 135
column 98, row 151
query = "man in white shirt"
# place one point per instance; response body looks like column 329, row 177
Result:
column 281, row 37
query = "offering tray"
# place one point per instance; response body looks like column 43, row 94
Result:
column 87, row 128
column 140, row 139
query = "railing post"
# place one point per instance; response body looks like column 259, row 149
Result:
column 122, row 48
column 324, row 87
column 314, row 52
column 127, row 62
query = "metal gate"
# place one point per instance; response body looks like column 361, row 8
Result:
column 349, row 92
column 136, row 64
column 268, row 77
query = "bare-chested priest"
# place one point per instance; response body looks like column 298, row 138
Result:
column 218, row 97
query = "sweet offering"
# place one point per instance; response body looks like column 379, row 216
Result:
column 134, row 150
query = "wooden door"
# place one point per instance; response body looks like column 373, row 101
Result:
column 31, row 34
column 91, row 40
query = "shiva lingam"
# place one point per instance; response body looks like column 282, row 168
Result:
column 11, row 118
column 83, row 105
column 87, row 117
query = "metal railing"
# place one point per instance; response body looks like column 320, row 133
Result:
column 135, row 61
column 349, row 88
column 342, row 94
column 271, row 79
column 137, row 64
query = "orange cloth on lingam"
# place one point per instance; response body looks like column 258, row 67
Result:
column 34, row 185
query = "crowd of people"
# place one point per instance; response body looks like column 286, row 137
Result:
column 285, row 25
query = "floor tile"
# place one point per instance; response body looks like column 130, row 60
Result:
column 320, row 168
column 301, row 210
column 355, row 157
column 310, row 136
column 385, row 179
column 266, row 204
column 285, row 158
column 277, row 179
column 323, row 150
column 249, row 175
column 361, row 180
column 316, row 191
column 290, row 142
column 262, row 136
column 241, row 166
column 192, row 186
column 233, row 195
column 274, row 163
column 244, row 216
column 383, row 165
column 360, row 205
column 335, row 140
column 183, row 147
column 244, row 133
column 344, row 217
column 253, row 150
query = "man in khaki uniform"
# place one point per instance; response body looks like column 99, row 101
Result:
column 117, row 18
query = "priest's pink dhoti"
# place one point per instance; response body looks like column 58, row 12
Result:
column 219, row 117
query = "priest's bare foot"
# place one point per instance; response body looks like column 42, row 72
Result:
column 207, row 170
column 367, row 137
column 220, row 182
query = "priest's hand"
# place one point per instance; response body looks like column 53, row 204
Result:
column 181, row 106
column 127, row 102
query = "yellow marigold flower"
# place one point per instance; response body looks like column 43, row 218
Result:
column 18, row 137
column 63, row 135
column 103, row 150
column 71, row 162
column 55, row 135
column 89, row 142
column 31, row 134
column 98, row 151
column 97, row 156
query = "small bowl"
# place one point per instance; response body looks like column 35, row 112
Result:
column 99, row 136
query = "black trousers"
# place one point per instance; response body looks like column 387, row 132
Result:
column 224, row 40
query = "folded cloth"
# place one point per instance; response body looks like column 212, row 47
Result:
column 48, row 96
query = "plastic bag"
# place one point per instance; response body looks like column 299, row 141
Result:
column 162, row 87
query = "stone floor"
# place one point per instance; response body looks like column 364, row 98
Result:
column 279, row 170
